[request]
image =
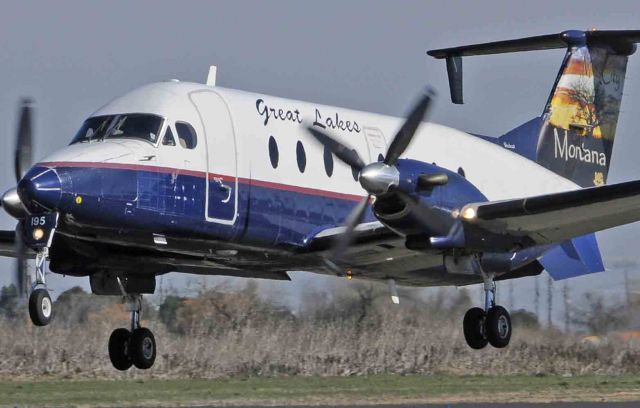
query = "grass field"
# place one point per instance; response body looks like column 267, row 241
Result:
column 318, row 390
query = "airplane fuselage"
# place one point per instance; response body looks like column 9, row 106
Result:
column 253, row 176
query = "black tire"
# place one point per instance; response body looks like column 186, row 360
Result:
column 118, row 349
column 142, row 348
column 473, row 325
column 40, row 307
column 498, row 327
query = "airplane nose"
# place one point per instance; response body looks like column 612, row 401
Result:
column 40, row 189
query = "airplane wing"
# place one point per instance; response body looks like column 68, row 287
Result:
column 553, row 218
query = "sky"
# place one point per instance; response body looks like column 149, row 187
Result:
column 74, row 56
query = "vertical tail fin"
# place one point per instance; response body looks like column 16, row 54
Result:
column 581, row 116
column 575, row 134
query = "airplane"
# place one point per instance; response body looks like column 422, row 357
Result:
column 195, row 178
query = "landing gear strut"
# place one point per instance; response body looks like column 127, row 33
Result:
column 491, row 325
column 40, row 305
column 132, row 347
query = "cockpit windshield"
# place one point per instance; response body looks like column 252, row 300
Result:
column 130, row 126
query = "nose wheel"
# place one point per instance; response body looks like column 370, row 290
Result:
column 40, row 307
column 40, row 304
column 135, row 347
column 491, row 325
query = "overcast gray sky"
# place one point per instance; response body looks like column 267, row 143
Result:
column 74, row 56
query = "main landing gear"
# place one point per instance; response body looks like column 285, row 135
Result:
column 491, row 325
column 132, row 347
column 40, row 305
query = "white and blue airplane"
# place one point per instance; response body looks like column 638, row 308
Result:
column 200, row 179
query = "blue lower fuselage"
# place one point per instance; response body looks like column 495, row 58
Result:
column 171, row 201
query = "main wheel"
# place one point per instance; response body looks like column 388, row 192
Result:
column 40, row 307
column 142, row 348
column 473, row 325
column 498, row 327
column 119, row 349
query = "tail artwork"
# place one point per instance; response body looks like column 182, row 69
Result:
column 574, row 135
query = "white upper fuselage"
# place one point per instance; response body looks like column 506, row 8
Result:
column 497, row 172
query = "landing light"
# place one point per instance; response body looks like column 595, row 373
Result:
column 38, row 234
column 469, row 213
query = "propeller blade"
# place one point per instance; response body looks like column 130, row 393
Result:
column 341, row 151
column 426, row 215
column 408, row 129
column 345, row 239
column 22, row 161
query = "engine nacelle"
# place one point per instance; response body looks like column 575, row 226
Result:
column 498, row 263
column 434, row 193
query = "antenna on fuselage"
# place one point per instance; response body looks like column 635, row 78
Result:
column 211, row 78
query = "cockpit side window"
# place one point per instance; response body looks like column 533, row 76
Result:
column 186, row 135
column 168, row 139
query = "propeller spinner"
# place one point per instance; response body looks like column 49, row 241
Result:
column 375, row 178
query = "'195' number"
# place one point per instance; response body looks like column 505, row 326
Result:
column 38, row 221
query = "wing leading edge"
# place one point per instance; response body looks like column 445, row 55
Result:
column 554, row 218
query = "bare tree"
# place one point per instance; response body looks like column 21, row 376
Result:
column 549, row 301
column 536, row 300
column 595, row 316
column 582, row 95
column 566, row 301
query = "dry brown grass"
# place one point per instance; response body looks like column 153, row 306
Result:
column 221, row 334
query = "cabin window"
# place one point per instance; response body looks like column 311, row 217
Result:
column 274, row 155
column 186, row 135
column 301, row 157
column 168, row 139
column 461, row 172
column 328, row 162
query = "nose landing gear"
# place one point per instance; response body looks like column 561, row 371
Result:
column 36, row 232
column 491, row 325
column 135, row 347
column 40, row 305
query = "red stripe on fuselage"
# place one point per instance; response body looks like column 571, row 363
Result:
column 201, row 174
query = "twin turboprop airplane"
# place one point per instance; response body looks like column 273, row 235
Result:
column 199, row 179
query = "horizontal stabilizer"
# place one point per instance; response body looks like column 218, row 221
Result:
column 541, row 42
column 575, row 257
column 621, row 42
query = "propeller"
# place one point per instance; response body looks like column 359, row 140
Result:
column 10, row 200
column 376, row 178
column 22, row 158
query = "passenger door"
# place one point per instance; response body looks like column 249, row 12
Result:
column 222, row 163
